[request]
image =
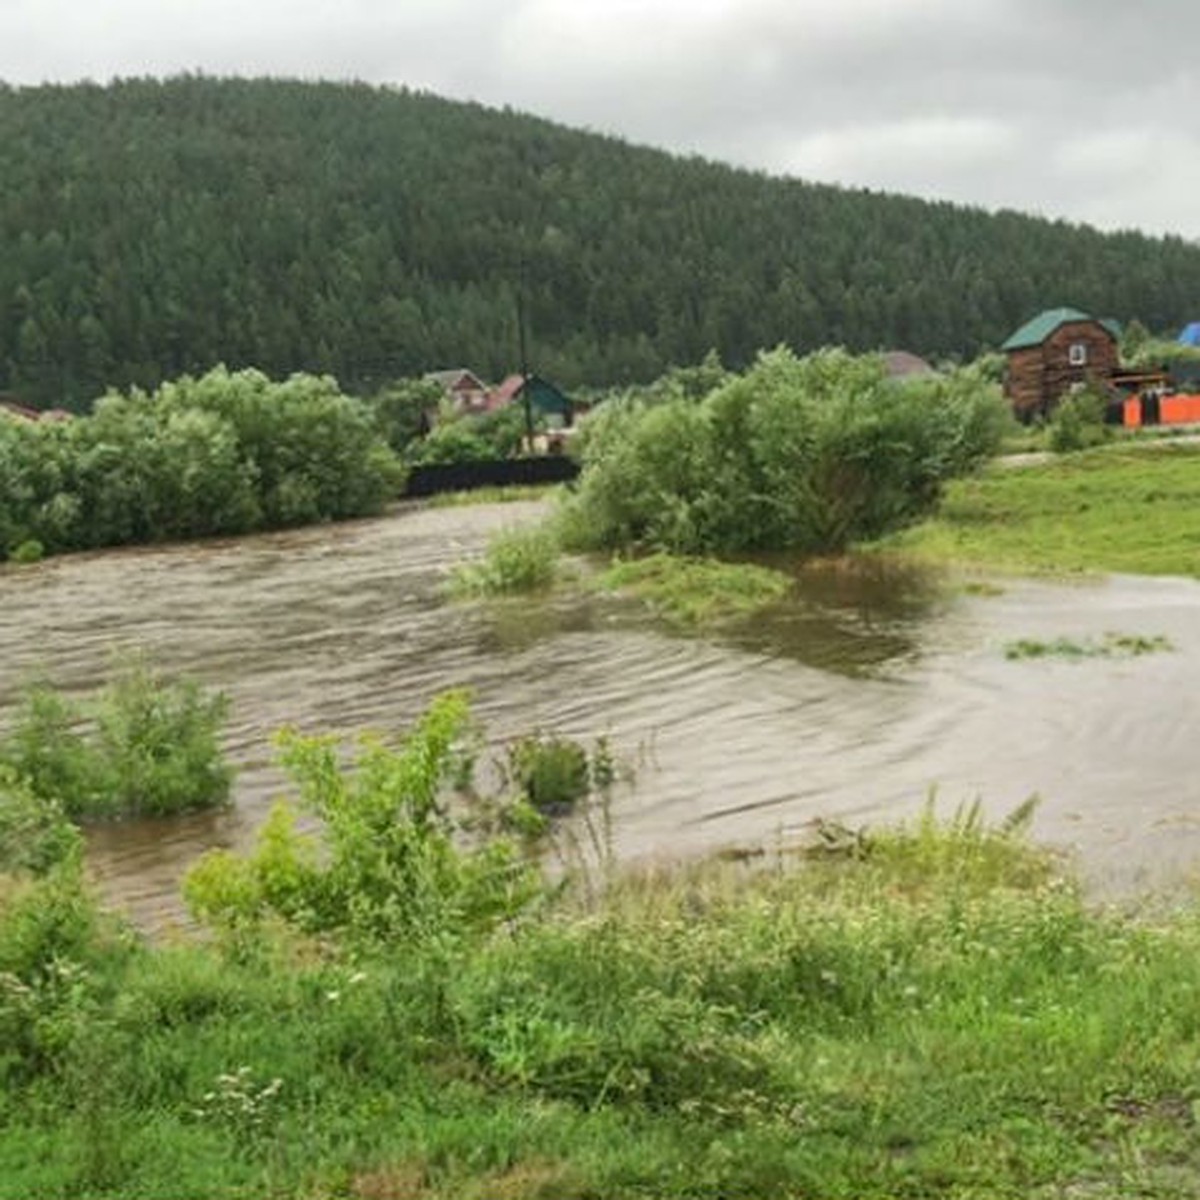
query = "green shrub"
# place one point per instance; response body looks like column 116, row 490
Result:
column 144, row 746
column 453, row 442
column 221, row 454
column 29, row 551
column 35, row 834
column 552, row 773
column 516, row 561
column 394, row 868
column 160, row 746
column 804, row 454
column 1077, row 423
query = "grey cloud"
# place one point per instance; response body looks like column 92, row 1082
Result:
column 1044, row 105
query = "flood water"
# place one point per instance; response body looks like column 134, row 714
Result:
column 851, row 702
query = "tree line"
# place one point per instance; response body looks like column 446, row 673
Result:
column 154, row 228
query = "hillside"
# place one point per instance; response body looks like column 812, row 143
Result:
column 149, row 228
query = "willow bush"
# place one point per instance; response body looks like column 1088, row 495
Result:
column 804, row 454
column 225, row 453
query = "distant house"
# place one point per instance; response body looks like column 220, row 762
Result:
column 1052, row 353
column 463, row 388
column 545, row 400
column 901, row 364
column 17, row 411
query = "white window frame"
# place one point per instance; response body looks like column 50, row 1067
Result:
column 1077, row 354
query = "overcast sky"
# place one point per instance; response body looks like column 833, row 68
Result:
column 1060, row 107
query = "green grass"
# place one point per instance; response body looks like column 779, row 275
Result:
column 495, row 495
column 1122, row 508
column 697, row 592
column 930, row 1011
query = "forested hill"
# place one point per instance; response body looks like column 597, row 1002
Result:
column 149, row 228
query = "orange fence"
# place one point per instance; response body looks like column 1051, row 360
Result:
column 1179, row 410
column 1172, row 410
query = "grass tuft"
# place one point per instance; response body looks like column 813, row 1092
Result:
column 697, row 592
column 517, row 562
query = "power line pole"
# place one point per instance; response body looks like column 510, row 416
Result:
column 526, row 398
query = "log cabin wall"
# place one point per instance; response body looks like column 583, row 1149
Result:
column 1038, row 376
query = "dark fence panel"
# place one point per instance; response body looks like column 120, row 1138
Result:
column 463, row 477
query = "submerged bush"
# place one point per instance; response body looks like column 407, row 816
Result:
column 35, row 834
column 805, row 454
column 145, row 746
column 516, row 561
column 393, row 867
column 555, row 774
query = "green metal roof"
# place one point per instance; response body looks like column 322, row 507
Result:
column 1035, row 332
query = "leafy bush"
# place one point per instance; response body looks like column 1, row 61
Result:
column 223, row 454
column 516, row 561
column 805, row 454
column 29, row 551
column 393, row 868
column 1077, row 422
column 552, row 773
column 159, row 743
column 144, row 746
column 453, row 442
column 402, row 411
column 35, row 834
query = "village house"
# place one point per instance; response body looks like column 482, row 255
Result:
column 903, row 364
column 1058, row 350
column 14, row 409
column 545, row 400
column 464, row 389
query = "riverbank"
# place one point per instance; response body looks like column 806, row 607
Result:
column 1129, row 508
column 928, row 1012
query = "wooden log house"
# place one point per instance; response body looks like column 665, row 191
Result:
column 1054, row 352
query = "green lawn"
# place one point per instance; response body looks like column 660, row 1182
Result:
column 1129, row 508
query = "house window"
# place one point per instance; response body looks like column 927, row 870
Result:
column 1077, row 355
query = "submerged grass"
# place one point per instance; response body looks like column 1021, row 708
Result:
column 697, row 591
column 1129, row 508
column 928, row 1011
column 1111, row 645
column 516, row 562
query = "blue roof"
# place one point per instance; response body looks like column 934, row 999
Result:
column 1190, row 334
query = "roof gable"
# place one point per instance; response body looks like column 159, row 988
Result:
column 456, row 379
column 1035, row 332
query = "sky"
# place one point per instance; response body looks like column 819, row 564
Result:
column 1067, row 109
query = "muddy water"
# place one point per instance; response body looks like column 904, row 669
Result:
column 851, row 702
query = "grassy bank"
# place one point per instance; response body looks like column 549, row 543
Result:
column 1130, row 508
column 926, row 1012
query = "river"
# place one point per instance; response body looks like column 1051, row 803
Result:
column 872, row 687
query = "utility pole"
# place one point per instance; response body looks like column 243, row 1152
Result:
column 527, row 400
